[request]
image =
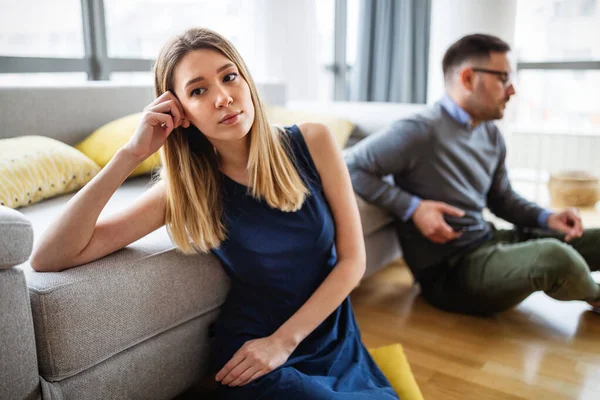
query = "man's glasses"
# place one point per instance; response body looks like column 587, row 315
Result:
column 503, row 76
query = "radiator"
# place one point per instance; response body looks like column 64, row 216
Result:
column 531, row 157
column 537, row 154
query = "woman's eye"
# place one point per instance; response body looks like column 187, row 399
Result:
column 197, row 91
column 230, row 77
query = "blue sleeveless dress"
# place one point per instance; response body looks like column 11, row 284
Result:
column 276, row 260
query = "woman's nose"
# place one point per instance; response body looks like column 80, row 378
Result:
column 223, row 98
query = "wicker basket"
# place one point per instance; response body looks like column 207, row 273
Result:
column 573, row 189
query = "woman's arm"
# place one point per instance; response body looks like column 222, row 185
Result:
column 76, row 237
column 258, row 357
column 349, row 241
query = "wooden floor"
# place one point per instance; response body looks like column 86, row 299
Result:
column 543, row 349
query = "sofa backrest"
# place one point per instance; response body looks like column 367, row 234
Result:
column 369, row 117
column 71, row 113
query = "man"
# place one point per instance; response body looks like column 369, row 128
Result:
column 448, row 164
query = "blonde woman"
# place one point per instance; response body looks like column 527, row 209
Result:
column 276, row 206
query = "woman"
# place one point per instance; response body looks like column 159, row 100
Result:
column 277, row 208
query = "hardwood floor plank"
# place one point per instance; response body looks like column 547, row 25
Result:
column 542, row 349
column 442, row 386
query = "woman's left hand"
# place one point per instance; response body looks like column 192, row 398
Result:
column 254, row 359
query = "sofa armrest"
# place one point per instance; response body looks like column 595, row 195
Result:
column 19, row 378
column 16, row 238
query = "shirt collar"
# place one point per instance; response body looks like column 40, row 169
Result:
column 456, row 112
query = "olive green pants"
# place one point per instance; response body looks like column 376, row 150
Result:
column 505, row 270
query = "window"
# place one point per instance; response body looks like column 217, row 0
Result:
column 45, row 78
column 325, row 11
column 558, row 100
column 565, row 30
column 338, row 21
column 142, row 78
column 138, row 28
column 351, row 43
column 48, row 31
column 118, row 40
column 558, row 62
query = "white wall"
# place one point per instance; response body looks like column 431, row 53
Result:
column 453, row 19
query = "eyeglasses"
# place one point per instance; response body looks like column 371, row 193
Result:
column 503, row 76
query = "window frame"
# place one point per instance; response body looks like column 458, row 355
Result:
column 95, row 63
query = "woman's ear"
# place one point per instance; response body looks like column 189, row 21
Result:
column 185, row 123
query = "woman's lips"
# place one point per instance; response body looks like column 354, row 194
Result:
column 230, row 119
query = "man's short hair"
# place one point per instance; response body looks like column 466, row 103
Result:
column 470, row 47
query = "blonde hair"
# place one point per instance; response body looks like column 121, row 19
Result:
column 194, row 214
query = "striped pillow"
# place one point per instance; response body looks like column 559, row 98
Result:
column 33, row 168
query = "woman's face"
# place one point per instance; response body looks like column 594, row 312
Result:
column 214, row 96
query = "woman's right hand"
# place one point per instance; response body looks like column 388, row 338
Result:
column 159, row 119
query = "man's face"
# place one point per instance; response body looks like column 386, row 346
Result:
column 491, row 87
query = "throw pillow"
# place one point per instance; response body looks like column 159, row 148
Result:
column 341, row 128
column 105, row 141
column 33, row 168
column 394, row 365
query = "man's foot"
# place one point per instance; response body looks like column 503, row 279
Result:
column 595, row 305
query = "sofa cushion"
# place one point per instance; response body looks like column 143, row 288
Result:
column 87, row 314
column 341, row 128
column 105, row 141
column 372, row 218
column 177, row 358
column 84, row 315
column 16, row 238
column 368, row 117
column 33, row 168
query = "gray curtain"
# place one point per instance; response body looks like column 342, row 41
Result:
column 393, row 48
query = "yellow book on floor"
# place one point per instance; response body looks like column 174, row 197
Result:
column 394, row 365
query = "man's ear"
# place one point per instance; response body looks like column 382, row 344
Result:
column 466, row 78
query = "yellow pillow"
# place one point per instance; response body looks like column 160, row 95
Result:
column 341, row 128
column 394, row 365
column 104, row 142
column 33, row 168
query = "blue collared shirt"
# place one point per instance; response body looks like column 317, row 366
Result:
column 464, row 118
column 456, row 111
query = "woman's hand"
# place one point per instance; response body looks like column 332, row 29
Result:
column 160, row 118
column 254, row 359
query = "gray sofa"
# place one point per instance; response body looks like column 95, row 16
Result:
column 137, row 323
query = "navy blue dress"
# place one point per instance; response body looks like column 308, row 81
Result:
column 276, row 260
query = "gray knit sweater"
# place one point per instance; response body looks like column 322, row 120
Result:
column 431, row 156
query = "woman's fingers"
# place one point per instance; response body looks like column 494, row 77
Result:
column 244, row 376
column 168, row 107
column 236, row 372
column 256, row 375
column 169, row 97
column 164, row 120
column 237, row 358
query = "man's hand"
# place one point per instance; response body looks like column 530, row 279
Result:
column 429, row 219
column 254, row 359
column 567, row 222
